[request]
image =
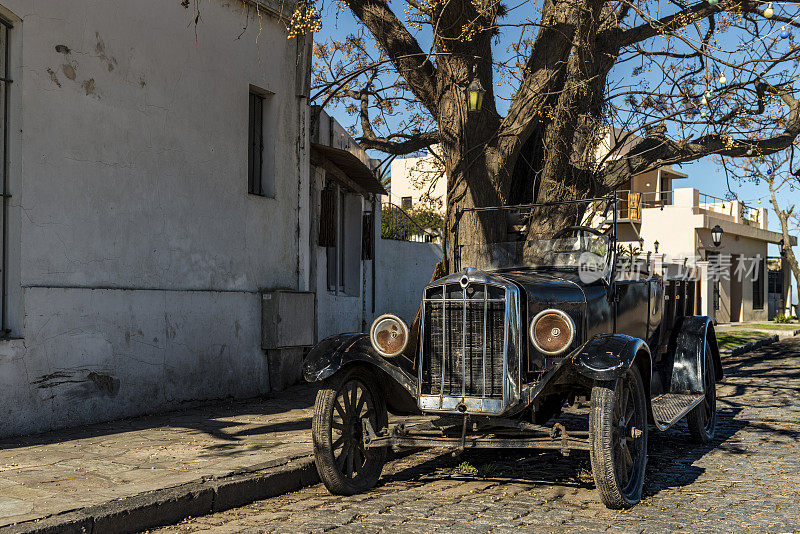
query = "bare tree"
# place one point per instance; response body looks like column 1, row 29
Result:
column 691, row 80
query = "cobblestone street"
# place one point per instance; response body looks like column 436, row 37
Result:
column 747, row 480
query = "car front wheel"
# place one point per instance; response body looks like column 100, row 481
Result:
column 345, row 401
column 618, row 439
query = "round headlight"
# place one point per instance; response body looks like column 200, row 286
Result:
column 389, row 335
column 552, row 332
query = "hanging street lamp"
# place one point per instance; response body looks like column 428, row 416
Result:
column 475, row 93
column 716, row 235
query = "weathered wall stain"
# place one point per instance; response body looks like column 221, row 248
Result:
column 70, row 67
column 106, row 384
column 100, row 383
column 52, row 380
column 69, row 71
column 88, row 86
column 53, row 77
column 100, row 49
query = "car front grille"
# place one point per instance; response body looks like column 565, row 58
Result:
column 464, row 341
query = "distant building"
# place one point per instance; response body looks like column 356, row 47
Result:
column 416, row 179
column 733, row 275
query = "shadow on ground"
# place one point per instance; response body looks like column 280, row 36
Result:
column 672, row 455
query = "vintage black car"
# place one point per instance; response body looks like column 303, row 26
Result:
column 542, row 325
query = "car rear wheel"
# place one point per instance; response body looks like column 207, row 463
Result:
column 702, row 420
column 344, row 402
column 618, row 439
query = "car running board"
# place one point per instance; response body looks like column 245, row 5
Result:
column 669, row 408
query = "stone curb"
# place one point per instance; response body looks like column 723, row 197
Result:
column 753, row 345
column 171, row 505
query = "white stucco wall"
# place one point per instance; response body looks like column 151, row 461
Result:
column 140, row 252
column 404, row 268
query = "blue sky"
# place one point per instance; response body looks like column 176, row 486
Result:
column 704, row 174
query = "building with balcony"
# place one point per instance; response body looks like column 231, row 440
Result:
column 674, row 227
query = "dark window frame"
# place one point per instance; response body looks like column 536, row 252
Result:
column 5, row 82
column 255, row 144
column 758, row 283
column 711, row 257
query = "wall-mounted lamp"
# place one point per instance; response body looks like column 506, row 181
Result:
column 716, row 235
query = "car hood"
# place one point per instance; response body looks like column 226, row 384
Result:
column 545, row 286
column 548, row 287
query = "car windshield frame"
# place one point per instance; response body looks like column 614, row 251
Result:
column 569, row 252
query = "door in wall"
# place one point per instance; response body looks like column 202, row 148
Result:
column 736, row 289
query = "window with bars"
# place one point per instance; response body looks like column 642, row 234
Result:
column 341, row 226
column 261, row 145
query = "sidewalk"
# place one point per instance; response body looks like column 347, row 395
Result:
column 133, row 474
column 758, row 326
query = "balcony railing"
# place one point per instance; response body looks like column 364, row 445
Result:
column 734, row 209
column 717, row 205
column 631, row 203
column 397, row 224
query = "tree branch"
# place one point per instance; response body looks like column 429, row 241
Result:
column 401, row 47
column 657, row 150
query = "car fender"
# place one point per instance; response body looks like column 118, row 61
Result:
column 690, row 353
column 608, row 356
column 334, row 353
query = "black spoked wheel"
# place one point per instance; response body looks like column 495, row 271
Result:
column 618, row 439
column 343, row 404
column 702, row 420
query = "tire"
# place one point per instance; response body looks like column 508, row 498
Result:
column 702, row 420
column 345, row 466
column 617, row 444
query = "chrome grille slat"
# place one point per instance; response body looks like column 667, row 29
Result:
column 464, row 343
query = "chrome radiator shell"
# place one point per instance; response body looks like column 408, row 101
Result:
column 440, row 393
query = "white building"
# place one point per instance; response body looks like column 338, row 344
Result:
column 141, row 230
column 356, row 273
column 676, row 227
column 414, row 178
